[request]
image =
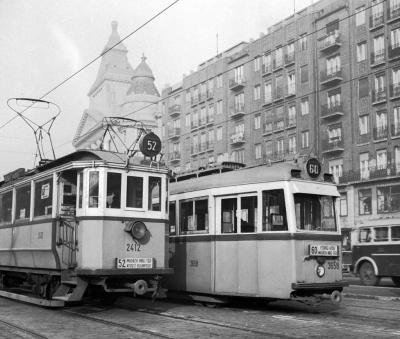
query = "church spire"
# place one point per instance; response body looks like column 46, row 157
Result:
column 114, row 39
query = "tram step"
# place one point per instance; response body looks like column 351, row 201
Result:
column 63, row 298
column 69, row 282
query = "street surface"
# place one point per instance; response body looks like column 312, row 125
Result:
column 361, row 316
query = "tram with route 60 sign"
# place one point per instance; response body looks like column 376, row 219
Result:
column 268, row 232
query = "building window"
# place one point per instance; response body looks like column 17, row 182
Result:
column 336, row 169
column 379, row 49
column 334, row 133
column 334, row 98
column 395, row 38
column 363, row 124
column 266, row 63
column 364, row 201
column 363, row 88
column 291, row 84
column 381, row 159
column 278, row 87
column 381, row 125
column 239, row 74
column 361, row 51
column 304, row 74
column 268, row 148
column 219, row 133
column 257, row 92
column 343, row 204
column 388, row 199
column 292, row 115
column 304, row 106
column 187, row 120
column 210, row 113
column 239, row 102
column 257, row 150
column 280, row 150
column 257, row 121
column 396, row 121
column 333, row 65
column 219, row 107
column 397, row 159
column 364, row 165
column 219, row 81
column 256, row 64
column 303, row 42
column 292, row 144
column 278, row 57
column 305, row 139
column 267, row 92
column 360, row 16
column 188, row 96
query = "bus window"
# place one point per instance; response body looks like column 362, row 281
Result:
column 23, row 202
column 194, row 215
column 274, row 211
column 248, row 215
column 94, row 189
column 172, row 218
column 134, row 192
column 6, row 207
column 381, row 233
column 113, row 199
column 228, row 215
column 155, row 194
column 315, row 212
column 365, row 235
column 395, row 233
column 43, row 197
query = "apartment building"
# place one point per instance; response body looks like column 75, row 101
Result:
column 324, row 82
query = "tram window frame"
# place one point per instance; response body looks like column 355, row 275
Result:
column 130, row 197
column 80, row 189
column 6, row 217
column 114, row 188
column 172, row 218
column 229, row 219
column 43, row 198
column 23, row 206
column 268, row 221
column 248, row 215
column 192, row 217
column 93, row 187
column 156, row 207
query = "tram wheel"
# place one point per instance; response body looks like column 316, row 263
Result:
column 367, row 275
column 396, row 281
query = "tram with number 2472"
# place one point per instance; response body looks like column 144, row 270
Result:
column 268, row 232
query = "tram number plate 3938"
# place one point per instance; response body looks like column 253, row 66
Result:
column 332, row 264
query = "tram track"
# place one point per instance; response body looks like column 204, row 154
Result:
column 25, row 330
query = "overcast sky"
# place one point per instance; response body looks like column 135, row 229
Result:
column 43, row 42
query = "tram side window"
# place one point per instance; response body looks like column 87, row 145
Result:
column 365, row 235
column 381, row 233
column 43, row 197
column 113, row 190
column 23, row 202
column 134, row 192
column 172, row 218
column 395, row 233
column 274, row 211
column 194, row 216
column 80, row 196
column 228, row 215
column 155, row 194
column 94, row 189
column 248, row 222
column 6, row 207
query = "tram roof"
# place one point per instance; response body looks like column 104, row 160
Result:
column 243, row 176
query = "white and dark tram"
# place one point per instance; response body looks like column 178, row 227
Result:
column 268, row 232
column 89, row 220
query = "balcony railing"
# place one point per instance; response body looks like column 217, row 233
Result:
column 237, row 138
column 174, row 132
column 364, row 138
column 394, row 90
column 266, row 69
column 174, row 110
column 395, row 129
column 235, row 84
column 330, row 42
column 332, row 145
column 237, row 111
column 378, row 57
column 378, row 96
column 289, row 59
column 330, row 111
column 331, row 77
column 380, row 132
column 373, row 172
column 376, row 21
column 175, row 156
column 393, row 14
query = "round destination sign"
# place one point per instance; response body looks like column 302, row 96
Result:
column 150, row 145
column 313, row 168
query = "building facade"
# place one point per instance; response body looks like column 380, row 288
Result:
column 324, row 82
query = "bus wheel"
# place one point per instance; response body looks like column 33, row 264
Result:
column 396, row 281
column 367, row 275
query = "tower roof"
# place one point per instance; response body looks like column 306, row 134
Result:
column 143, row 80
column 114, row 39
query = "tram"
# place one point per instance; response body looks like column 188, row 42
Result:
column 268, row 232
column 89, row 221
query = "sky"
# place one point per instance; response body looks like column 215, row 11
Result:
column 43, row 42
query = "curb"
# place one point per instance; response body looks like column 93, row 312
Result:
column 371, row 297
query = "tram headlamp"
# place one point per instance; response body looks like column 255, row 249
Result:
column 320, row 270
column 138, row 230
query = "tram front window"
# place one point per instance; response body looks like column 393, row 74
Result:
column 274, row 211
column 315, row 212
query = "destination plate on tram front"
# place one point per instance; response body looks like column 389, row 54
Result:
column 324, row 250
column 134, row 262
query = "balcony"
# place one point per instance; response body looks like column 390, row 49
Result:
column 395, row 129
column 237, row 111
column 174, row 133
column 376, row 21
column 267, row 129
column 331, row 111
column 266, row 69
column 333, row 145
column 236, row 84
column 289, row 59
column 175, row 156
column 394, row 51
column 174, row 110
column 277, row 64
column 393, row 14
column 238, row 138
column 377, row 58
column 330, row 42
column 394, row 91
column 378, row 96
column 380, row 132
column 332, row 77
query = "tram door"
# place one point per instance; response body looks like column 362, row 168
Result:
column 235, row 245
column 66, row 237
